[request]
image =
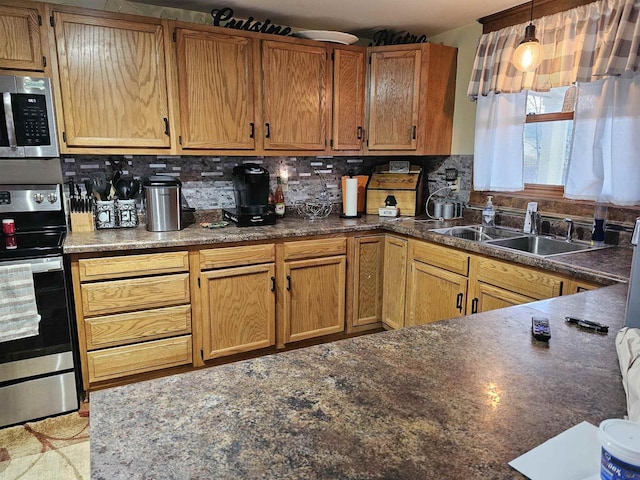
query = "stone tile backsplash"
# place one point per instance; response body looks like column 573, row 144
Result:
column 207, row 184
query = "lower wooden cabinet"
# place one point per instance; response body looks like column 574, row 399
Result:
column 573, row 285
column 395, row 281
column 314, row 289
column 434, row 294
column 488, row 297
column 368, row 278
column 238, row 309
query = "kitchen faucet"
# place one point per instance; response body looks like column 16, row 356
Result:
column 569, row 229
column 535, row 222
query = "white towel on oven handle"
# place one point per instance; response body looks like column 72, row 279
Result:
column 18, row 310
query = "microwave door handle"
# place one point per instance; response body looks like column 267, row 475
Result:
column 8, row 117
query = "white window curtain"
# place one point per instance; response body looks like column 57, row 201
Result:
column 498, row 158
column 605, row 157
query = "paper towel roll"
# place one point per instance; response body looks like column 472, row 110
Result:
column 350, row 197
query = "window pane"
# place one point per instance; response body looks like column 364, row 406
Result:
column 546, row 151
column 547, row 102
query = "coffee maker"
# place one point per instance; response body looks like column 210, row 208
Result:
column 251, row 190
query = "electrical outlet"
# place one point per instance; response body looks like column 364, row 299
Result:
column 454, row 185
column 450, row 174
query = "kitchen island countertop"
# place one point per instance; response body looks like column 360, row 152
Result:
column 605, row 266
column 453, row 399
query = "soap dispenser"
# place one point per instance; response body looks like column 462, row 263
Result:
column 488, row 214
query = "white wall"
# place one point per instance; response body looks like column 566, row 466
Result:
column 464, row 115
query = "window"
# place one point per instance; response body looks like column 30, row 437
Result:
column 547, row 136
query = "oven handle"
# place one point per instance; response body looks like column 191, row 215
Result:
column 39, row 265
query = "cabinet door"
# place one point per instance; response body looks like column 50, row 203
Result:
column 395, row 280
column 368, row 275
column 215, row 82
column 348, row 99
column 238, row 309
column 294, row 83
column 20, row 45
column 487, row 297
column 394, row 90
column 572, row 285
column 434, row 294
column 113, row 81
column 314, row 300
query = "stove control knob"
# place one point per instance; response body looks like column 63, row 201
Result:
column 38, row 197
column 52, row 197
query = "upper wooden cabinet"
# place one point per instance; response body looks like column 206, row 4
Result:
column 215, row 85
column 112, row 81
column 294, row 89
column 348, row 98
column 411, row 98
column 21, row 36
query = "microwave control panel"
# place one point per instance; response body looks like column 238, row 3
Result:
column 30, row 119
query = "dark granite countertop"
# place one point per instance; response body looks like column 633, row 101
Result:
column 453, row 399
column 606, row 266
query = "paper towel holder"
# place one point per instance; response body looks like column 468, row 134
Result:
column 344, row 215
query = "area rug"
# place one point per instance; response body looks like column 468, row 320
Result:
column 56, row 448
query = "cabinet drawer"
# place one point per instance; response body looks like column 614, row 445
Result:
column 315, row 248
column 139, row 358
column 124, row 328
column 237, row 256
column 527, row 281
column 135, row 294
column 133, row 265
column 439, row 256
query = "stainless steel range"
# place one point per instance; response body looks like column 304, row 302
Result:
column 38, row 377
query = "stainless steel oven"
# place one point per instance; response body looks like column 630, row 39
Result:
column 38, row 375
column 27, row 122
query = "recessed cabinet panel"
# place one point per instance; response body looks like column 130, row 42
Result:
column 395, row 281
column 20, row 46
column 394, row 84
column 369, row 279
column 348, row 99
column 294, row 83
column 113, row 81
column 215, row 82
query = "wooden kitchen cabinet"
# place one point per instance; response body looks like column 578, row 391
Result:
column 348, row 98
column 294, row 83
column 395, row 281
column 133, row 314
column 112, row 81
column 411, row 98
column 215, row 74
column 368, row 273
column 22, row 38
column 313, row 286
column 237, row 299
column 572, row 285
column 437, row 283
column 495, row 283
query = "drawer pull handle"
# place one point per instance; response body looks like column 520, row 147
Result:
column 273, row 284
column 166, row 125
column 268, row 127
column 459, row 302
column 474, row 305
column 413, row 133
column 288, row 282
column 253, row 130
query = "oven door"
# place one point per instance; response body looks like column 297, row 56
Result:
column 37, row 374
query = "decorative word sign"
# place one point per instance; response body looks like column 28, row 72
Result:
column 224, row 18
column 389, row 37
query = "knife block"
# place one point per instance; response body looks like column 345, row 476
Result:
column 82, row 222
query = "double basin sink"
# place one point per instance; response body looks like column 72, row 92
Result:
column 511, row 239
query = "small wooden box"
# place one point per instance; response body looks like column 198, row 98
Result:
column 405, row 187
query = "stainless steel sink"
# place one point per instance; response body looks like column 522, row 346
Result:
column 479, row 233
column 541, row 246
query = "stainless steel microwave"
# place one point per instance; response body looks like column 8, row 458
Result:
column 27, row 122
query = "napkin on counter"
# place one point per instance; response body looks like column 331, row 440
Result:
column 628, row 347
column 572, row 455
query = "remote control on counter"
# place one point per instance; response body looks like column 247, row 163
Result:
column 540, row 328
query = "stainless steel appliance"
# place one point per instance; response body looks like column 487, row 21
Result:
column 163, row 203
column 27, row 122
column 251, row 190
column 38, row 377
column 633, row 298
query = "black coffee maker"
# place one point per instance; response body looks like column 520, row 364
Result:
column 251, row 190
